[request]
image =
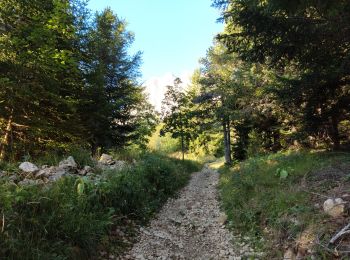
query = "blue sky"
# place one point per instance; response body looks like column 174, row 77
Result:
column 172, row 34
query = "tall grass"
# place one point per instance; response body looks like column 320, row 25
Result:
column 68, row 219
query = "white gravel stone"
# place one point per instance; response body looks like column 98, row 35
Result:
column 334, row 207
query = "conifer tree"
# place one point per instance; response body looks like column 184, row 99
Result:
column 111, row 90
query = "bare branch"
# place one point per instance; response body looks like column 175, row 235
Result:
column 345, row 230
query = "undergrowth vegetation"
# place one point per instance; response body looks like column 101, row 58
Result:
column 272, row 198
column 68, row 219
column 81, row 156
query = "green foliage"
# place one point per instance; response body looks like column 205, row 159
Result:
column 241, row 188
column 130, row 154
column 68, row 219
column 145, row 122
column 81, row 156
column 164, row 143
column 207, row 144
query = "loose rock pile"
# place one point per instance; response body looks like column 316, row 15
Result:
column 191, row 227
column 31, row 174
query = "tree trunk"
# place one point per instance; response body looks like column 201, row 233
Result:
column 276, row 141
column 335, row 133
column 182, row 139
column 227, row 142
column 229, row 137
column 182, row 146
column 6, row 138
column 94, row 148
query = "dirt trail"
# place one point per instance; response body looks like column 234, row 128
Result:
column 190, row 226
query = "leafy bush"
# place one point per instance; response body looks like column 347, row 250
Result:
column 69, row 218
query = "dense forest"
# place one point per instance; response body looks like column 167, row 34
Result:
column 268, row 108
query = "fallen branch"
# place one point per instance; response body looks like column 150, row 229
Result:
column 332, row 251
column 345, row 230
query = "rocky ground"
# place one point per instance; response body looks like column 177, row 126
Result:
column 190, row 227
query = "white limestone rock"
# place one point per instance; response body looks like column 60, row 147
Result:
column 28, row 167
column 334, row 207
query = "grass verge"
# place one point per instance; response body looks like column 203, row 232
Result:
column 277, row 200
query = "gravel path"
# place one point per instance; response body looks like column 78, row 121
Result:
column 190, row 226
